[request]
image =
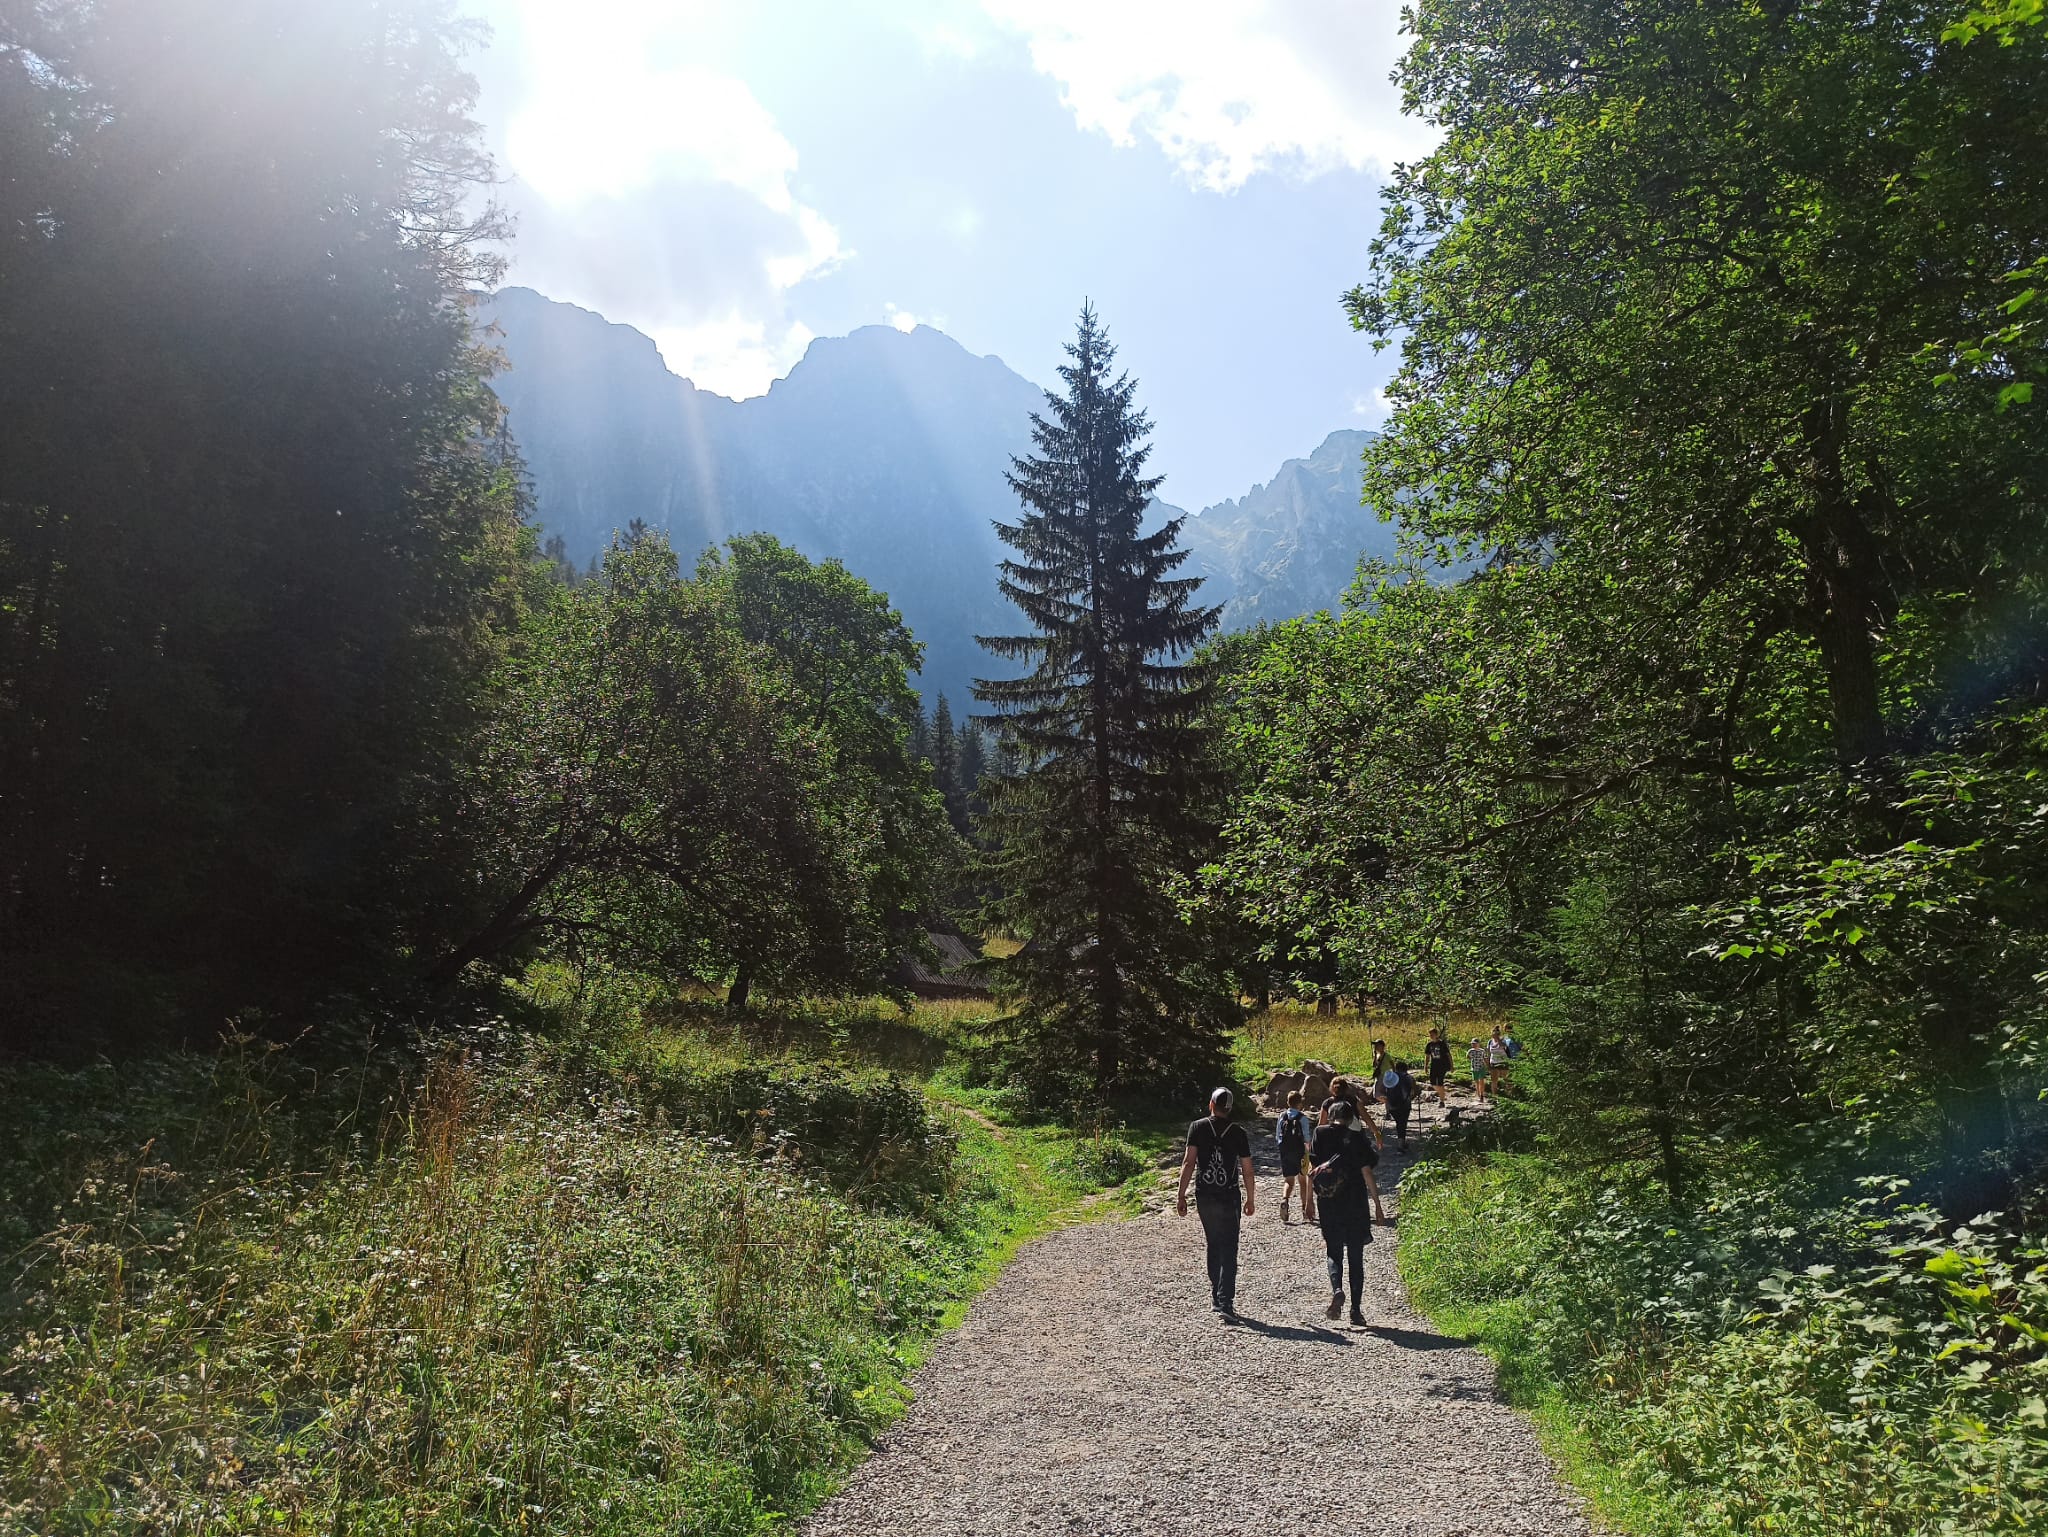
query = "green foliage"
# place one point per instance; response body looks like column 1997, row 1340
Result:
column 1103, row 809
column 1757, row 1361
column 1725, row 766
column 259, row 531
column 705, row 777
column 1664, row 293
column 500, row 1284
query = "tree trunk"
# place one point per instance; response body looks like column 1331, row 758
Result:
column 1669, row 1166
column 742, row 986
column 1844, row 592
column 505, row 925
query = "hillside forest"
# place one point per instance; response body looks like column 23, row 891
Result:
column 464, row 1032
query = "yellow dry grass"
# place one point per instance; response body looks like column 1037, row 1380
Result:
column 1288, row 1034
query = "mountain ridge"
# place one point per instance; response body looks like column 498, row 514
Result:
column 883, row 448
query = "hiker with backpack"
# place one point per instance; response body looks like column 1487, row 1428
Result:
column 1343, row 1091
column 1218, row 1151
column 1397, row 1088
column 1436, row 1056
column 1290, row 1136
column 1341, row 1163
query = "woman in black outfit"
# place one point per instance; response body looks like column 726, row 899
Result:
column 1342, row 1154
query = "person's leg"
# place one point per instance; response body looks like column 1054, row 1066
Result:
column 1355, row 1255
column 1211, row 1213
column 1229, row 1220
column 1333, row 1249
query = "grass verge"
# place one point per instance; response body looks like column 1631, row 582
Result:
column 614, row 1269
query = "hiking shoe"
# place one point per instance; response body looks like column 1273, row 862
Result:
column 1357, row 1318
column 1336, row 1305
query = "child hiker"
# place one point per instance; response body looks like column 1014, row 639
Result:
column 1290, row 1134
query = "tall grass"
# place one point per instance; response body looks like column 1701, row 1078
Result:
column 500, row 1286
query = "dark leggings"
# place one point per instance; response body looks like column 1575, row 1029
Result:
column 1345, row 1242
column 1220, row 1223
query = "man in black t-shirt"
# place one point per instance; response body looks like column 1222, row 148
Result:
column 1437, row 1056
column 1217, row 1153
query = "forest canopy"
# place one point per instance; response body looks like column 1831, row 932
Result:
column 1723, row 764
column 291, row 700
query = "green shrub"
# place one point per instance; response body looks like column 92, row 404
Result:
column 1098, row 1156
column 1756, row 1363
column 871, row 1132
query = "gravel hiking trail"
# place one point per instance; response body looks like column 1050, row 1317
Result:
column 1092, row 1390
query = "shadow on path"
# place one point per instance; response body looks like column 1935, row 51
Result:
column 1292, row 1331
column 1419, row 1339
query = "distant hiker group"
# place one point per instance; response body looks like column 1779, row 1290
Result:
column 1329, row 1146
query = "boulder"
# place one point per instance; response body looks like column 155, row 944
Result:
column 1278, row 1087
column 1315, row 1088
column 1318, row 1069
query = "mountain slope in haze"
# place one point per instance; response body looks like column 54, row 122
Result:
column 1292, row 545
column 884, row 449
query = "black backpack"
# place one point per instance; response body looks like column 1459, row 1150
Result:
column 1293, row 1140
column 1337, row 1175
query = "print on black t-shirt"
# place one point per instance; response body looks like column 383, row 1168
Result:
column 1216, row 1158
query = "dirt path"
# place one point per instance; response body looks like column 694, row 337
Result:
column 1092, row 1390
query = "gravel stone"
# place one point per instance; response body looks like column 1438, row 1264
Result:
column 1092, row 1390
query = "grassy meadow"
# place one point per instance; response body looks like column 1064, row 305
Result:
column 1286, row 1034
column 586, row 1260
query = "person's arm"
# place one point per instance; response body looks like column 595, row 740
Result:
column 1187, row 1172
column 1250, row 1202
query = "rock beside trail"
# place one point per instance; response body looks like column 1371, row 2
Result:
column 1312, row 1082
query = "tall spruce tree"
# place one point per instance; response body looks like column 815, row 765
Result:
column 946, row 765
column 1104, row 805
column 970, row 763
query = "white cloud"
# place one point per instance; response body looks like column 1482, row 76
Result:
column 1229, row 88
column 743, row 355
column 655, row 187
column 904, row 321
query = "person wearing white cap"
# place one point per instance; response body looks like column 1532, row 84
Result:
column 1218, row 1152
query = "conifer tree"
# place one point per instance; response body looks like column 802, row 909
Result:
column 919, row 726
column 1105, row 807
column 946, row 764
column 971, row 763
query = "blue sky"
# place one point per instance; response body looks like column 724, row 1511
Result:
column 736, row 178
